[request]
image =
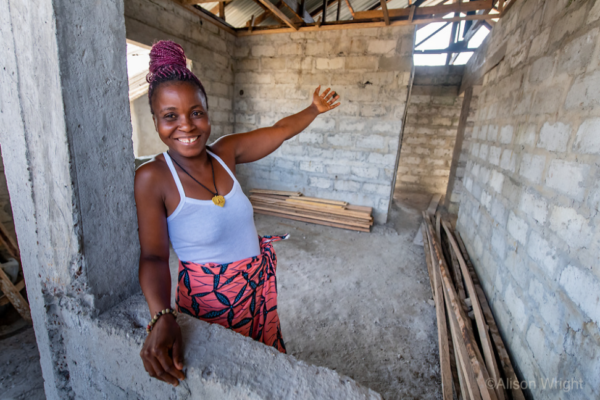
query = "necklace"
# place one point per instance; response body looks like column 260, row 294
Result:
column 217, row 198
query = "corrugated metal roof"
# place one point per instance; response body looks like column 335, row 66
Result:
column 238, row 12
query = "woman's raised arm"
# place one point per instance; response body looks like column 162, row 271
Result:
column 254, row 145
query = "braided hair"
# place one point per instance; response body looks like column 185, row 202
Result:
column 168, row 63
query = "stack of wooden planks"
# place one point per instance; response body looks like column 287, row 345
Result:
column 473, row 359
column 293, row 205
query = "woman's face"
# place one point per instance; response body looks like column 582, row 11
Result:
column 180, row 117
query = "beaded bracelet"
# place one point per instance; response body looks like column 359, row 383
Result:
column 158, row 315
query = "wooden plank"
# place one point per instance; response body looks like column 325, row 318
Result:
column 315, row 203
column 296, row 8
column 277, row 192
column 335, row 225
column 312, row 215
column 276, row 11
column 13, row 295
column 339, row 8
column 358, row 24
column 350, row 8
column 411, row 15
column 512, row 380
column 479, row 368
column 426, row 11
column 192, row 2
column 7, row 241
column 359, row 208
column 428, row 260
column 482, row 328
column 252, row 21
column 433, row 204
column 222, row 10
column 19, row 286
column 318, row 200
column 205, row 16
column 385, row 12
column 283, row 203
column 440, row 313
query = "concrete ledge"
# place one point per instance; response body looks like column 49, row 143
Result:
column 103, row 362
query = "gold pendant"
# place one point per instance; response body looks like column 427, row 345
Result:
column 219, row 200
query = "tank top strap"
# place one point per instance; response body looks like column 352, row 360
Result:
column 216, row 157
column 175, row 176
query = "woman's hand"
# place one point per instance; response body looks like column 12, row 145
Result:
column 326, row 101
column 162, row 353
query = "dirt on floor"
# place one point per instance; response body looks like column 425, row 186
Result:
column 358, row 303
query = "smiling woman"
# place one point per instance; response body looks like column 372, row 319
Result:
column 190, row 196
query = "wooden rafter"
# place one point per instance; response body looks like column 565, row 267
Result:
column 298, row 11
column 276, row 11
column 428, row 11
column 350, row 8
column 386, row 13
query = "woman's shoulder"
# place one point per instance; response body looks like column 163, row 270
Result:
column 149, row 174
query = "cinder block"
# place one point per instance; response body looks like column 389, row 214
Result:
column 554, row 137
column 382, row 46
column 535, row 207
column 347, row 186
column 542, row 253
column 318, row 48
column 515, row 306
column 365, row 172
column 546, row 358
column 508, row 160
column 583, row 288
column 547, row 302
column 499, row 243
column 267, row 63
column 568, row 178
column 496, row 181
column 494, row 156
column 312, row 166
column 330, row 63
column 362, row 62
column 321, row 183
column 570, row 226
column 588, row 137
column 506, row 134
column 338, row 169
column 584, row 93
column 532, row 167
column 383, row 190
column 263, row 50
column 311, row 137
column 372, row 142
column 341, row 139
column 517, row 228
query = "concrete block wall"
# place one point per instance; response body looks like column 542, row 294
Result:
column 430, row 131
column 455, row 181
column 349, row 153
column 208, row 47
column 529, row 211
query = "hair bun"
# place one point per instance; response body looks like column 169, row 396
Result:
column 166, row 54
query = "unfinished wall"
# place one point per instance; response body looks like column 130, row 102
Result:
column 349, row 153
column 431, row 123
column 146, row 141
column 530, row 209
column 208, row 47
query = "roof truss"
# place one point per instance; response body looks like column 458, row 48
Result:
column 297, row 18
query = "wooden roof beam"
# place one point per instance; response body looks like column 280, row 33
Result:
column 386, row 14
column 276, row 11
column 298, row 11
column 427, row 11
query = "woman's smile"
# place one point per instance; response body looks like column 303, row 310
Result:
column 187, row 141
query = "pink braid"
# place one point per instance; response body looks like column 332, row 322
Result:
column 168, row 63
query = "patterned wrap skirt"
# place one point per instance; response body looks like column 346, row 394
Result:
column 241, row 295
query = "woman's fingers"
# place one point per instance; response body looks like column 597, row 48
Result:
column 324, row 95
column 171, row 374
column 178, row 354
column 160, row 373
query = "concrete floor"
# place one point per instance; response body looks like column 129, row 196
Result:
column 358, row 303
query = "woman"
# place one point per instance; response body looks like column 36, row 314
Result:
column 190, row 195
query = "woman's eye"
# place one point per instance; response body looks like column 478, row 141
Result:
column 169, row 116
column 197, row 113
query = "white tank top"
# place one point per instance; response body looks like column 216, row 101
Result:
column 202, row 232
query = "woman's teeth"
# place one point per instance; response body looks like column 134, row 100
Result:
column 188, row 140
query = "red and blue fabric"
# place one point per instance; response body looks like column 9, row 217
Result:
column 241, row 295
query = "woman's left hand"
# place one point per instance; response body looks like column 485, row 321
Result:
column 326, row 101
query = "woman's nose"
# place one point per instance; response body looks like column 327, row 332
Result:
column 185, row 124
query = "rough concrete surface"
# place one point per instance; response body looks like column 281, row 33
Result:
column 358, row 302
column 20, row 371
